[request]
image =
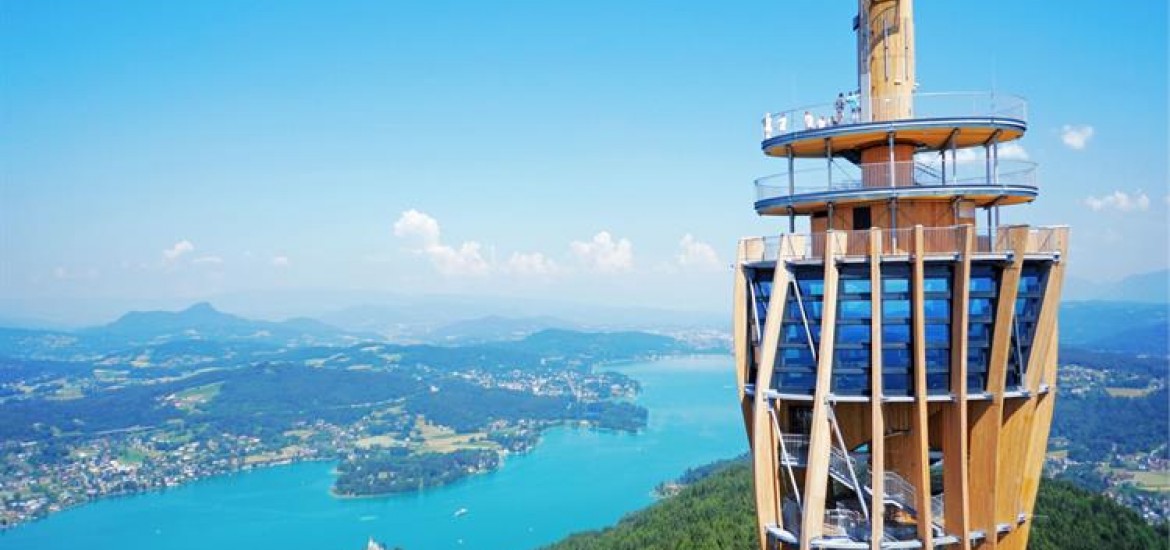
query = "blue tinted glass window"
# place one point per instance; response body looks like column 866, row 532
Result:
column 982, row 284
column 896, row 309
column 938, row 333
column 1030, row 283
column 853, row 357
column 799, row 354
column 937, row 308
column 895, row 359
column 794, row 333
column 980, row 307
column 936, row 284
column 896, row 384
column 852, row 334
column 896, row 285
column 812, row 287
column 938, row 358
column 896, row 334
column 855, row 286
column 855, row 309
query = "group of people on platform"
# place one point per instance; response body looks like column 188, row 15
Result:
column 845, row 102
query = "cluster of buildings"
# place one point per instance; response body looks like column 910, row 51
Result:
column 39, row 478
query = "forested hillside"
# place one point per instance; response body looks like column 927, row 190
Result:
column 717, row 512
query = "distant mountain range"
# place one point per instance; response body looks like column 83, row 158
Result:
column 199, row 327
column 1128, row 327
column 202, row 334
column 495, row 328
column 1153, row 287
column 202, row 321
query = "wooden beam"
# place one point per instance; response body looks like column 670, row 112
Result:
column 740, row 326
column 877, row 429
column 986, row 416
column 956, row 503
column 1033, row 463
column 765, row 463
column 920, row 427
column 1042, row 364
column 816, row 475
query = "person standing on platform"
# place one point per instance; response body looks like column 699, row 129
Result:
column 839, row 106
column 854, row 107
column 809, row 124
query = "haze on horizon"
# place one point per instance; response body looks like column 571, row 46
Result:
column 305, row 154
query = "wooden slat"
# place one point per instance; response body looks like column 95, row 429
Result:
column 877, row 430
column 919, row 478
column 816, row 476
column 764, row 450
column 986, row 416
column 955, row 478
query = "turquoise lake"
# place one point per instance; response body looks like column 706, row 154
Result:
column 575, row 479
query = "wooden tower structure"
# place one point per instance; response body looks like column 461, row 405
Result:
column 896, row 364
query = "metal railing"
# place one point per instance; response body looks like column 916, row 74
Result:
column 841, row 522
column 946, row 240
column 758, row 249
column 1047, row 240
column 795, row 450
column 884, row 175
column 902, row 107
column 937, row 510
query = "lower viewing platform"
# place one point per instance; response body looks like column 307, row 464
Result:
column 938, row 242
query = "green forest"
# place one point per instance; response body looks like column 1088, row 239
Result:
column 717, row 512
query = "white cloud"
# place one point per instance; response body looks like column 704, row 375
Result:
column 415, row 224
column 280, row 261
column 1012, row 151
column 1076, row 136
column 604, row 254
column 179, row 249
column 971, row 155
column 697, row 254
column 465, row 260
column 424, row 231
column 1120, row 201
column 535, row 264
column 209, row 260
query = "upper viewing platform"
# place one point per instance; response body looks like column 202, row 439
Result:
column 928, row 121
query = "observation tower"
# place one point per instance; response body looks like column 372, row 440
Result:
column 896, row 365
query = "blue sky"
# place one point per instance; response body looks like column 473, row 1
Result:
column 157, row 153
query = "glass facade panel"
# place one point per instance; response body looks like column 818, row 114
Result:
column 897, row 363
column 1033, row 277
column 851, row 350
column 936, row 308
column 853, row 334
column 984, row 290
column 795, row 368
column 895, row 334
column 854, row 309
column 855, row 286
column 895, row 309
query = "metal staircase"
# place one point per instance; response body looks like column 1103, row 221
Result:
column 856, row 475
